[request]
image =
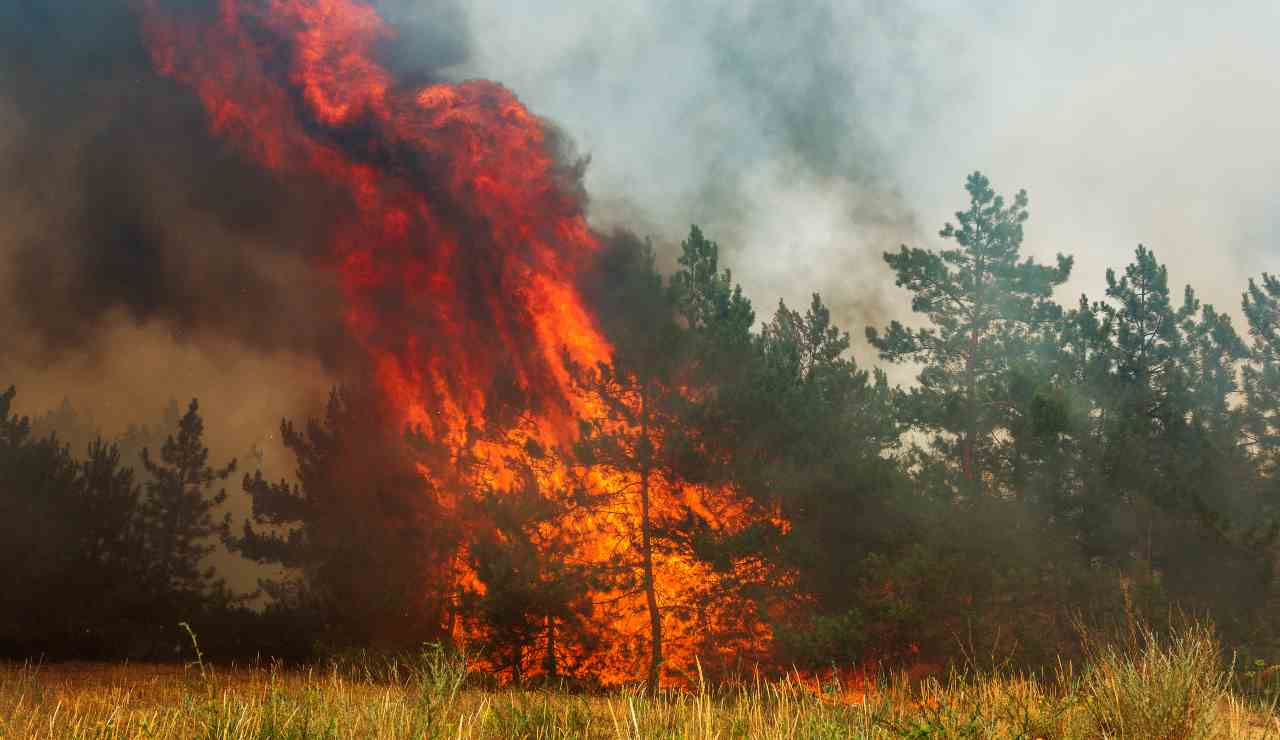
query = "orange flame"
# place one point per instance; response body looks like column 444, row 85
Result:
column 408, row 273
column 459, row 258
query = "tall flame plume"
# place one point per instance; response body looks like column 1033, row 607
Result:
column 464, row 241
column 459, row 258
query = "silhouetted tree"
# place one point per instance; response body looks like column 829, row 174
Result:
column 37, row 479
column 178, row 517
column 108, row 566
column 362, row 531
column 70, row 535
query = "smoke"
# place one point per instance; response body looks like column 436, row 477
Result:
column 119, row 210
column 143, row 258
column 811, row 138
column 1147, row 122
column 773, row 127
column 807, row 140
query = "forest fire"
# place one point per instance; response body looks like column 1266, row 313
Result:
column 338, row 401
column 459, row 259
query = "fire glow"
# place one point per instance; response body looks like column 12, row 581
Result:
column 483, row 265
column 459, row 261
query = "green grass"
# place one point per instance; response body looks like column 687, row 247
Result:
column 1138, row 685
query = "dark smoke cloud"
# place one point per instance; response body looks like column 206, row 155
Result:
column 430, row 36
column 142, row 258
column 132, row 207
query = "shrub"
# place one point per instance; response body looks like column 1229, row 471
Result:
column 1147, row 684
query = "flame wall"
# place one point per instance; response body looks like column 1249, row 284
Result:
column 459, row 243
column 463, row 237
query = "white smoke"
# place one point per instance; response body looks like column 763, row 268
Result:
column 812, row 138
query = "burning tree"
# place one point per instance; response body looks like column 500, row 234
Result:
column 635, row 444
column 524, row 579
column 529, row 587
column 665, row 485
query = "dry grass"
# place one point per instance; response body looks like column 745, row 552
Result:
column 1143, row 688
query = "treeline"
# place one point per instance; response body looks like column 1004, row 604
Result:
column 102, row 556
column 1051, row 462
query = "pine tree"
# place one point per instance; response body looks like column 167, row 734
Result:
column 645, row 437
column 987, row 308
column 716, row 314
column 1260, row 379
column 535, row 600
column 369, row 549
column 628, row 440
column 107, row 564
column 1172, row 485
column 1069, row 435
column 525, row 589
column 178, row 514
column 69, row 535
column 37, row 478
column 815, row 436
column 1149, row 394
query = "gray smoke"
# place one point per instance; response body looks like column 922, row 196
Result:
column 810, row 138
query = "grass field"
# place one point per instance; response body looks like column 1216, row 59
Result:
column 1137, row 687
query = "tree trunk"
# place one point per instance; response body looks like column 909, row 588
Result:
column 646, row 547
column 969, row 439
column 549, row 666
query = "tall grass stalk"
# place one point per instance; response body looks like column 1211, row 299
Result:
column 1145, row 685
